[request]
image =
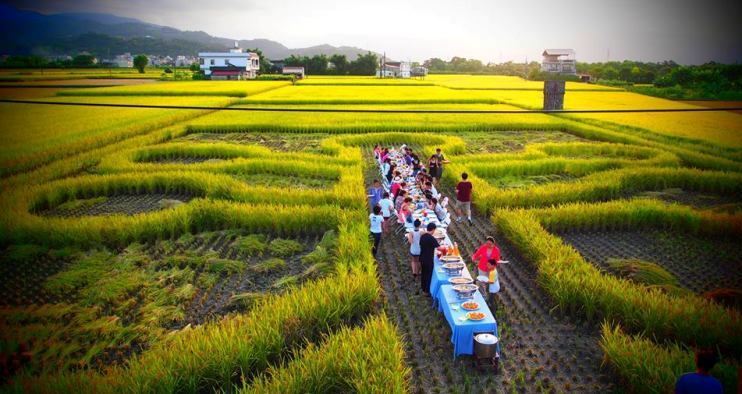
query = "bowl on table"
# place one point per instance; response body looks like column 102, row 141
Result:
column 453, row 269
column 465, row 291
column 460, row 280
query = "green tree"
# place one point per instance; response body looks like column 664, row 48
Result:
column 341, row 64
column 364, row 64
column 140, row 62
column 83, row 60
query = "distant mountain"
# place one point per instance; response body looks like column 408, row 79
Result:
column 105, row 35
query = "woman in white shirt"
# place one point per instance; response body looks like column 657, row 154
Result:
column 376, row 221
column 387, row 210
column 413, row 238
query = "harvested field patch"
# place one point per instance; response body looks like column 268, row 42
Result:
column 127, row 204
column 699, row 264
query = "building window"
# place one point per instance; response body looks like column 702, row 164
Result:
column 211, row 62
column 201, row 61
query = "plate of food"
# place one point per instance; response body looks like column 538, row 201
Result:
column 450, row 258
column 460, row 281
column 475, row 316
column 470, row 305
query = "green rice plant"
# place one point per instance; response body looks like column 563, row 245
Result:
column 224, row 266
column 643, row 272
column 318, row 255
column 286, row 282
column 650, row 368
column 247, row 300
column 576, row 285
column 77, row 204
column 218, row 355
column 269, row 265
column 362, row 360
column 285, row 247
column 251, row 245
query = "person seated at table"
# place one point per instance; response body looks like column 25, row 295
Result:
column 494, row 284
column 408, row 157
column 488, row 251
column 384, row 155
column 386, row 164
column 436, row 206
column 387, row 210
column 428, row 245
column 390, row 174
column 406, row 209
column 421, row 176
column 377, row 152
column 399, row 197
column 416, row 167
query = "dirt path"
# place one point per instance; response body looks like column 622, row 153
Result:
column 541, row 352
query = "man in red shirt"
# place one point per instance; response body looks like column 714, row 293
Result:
column 463, row 198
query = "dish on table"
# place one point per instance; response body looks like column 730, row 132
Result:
column 460, row 281
column 470, row 305
column 465, row 288
column 450, row 258
column 475, row 316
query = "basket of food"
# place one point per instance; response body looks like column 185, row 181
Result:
column 475, row 316
column 453, row 269
column 470, row 305
column 460, row 280
column 465, row 291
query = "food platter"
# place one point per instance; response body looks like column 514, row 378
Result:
column 450, row 258
column 475, row 316
column 453, row 266
column 465, row 288
column 470, row 305
column 460, row 281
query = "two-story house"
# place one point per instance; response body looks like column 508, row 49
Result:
column 234, row 64
column 559, row 61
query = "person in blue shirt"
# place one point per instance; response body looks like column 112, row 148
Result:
column 701, row 381
column 375, row 193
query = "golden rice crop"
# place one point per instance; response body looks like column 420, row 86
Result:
column 37, row 134
column 183, row 88
column 723, row 128
column 502, row 82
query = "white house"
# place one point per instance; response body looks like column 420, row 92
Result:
column 124, row 60
column 234, row 64
column 560, row 61
column 394, row 70
column 290, row 70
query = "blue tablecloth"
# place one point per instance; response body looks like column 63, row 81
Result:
column 462, row 332
column 441, row 278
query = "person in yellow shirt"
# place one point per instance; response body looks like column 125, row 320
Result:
column 494, row 284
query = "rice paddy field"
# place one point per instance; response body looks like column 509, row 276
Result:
column 166, row 250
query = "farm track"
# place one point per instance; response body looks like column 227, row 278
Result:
column 540, row 351
column 699, row 264
column 694, row 199
column 127, row 204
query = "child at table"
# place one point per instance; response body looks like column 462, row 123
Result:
column 494, row 284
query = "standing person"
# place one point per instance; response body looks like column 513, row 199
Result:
column 441, row 161
column 463, row 198
column 375, row 194
column 376, row 222
column 700, row 382
column 385, row 166
column 433, row 166
column 488, row 251
column 387, row 210
column 390, row 174
column 413, row 238
column 377, row 153
column 428, row 245
column 494, row 284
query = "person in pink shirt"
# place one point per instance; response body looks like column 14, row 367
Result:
column 488, row 251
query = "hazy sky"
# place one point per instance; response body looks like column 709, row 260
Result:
column 491, row 30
